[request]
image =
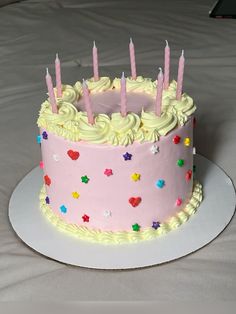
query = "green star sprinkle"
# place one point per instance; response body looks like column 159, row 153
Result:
column 136, row 227
column 180, row 162
column 85, row 179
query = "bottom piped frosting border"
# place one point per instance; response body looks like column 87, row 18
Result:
column 110, row 237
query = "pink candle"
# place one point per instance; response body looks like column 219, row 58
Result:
column 159, row 93
column 180, row 77
column 95, row 62
column 87, row 101
column 167, row 66
column 51, row 92
column 123, row 96
column 132, row 60
column 58, row 76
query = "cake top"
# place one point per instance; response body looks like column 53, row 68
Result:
column 140, row 124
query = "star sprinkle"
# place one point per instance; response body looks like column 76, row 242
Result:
column 63, row 209
column 188, row 175
column 136, row 227
column 176, row 139
column 55, row 157
column 47, row 200
column 107, row 213
column 187, row 141
column 75, row 195
column 155, row 225
column 180, row 162
column 127, row 156
column 154, row 149
column 45, row 135
column 85, row 218
column 39, row 139
column 84, row 179
column 41, row 165
column 47, row 180
column 135, row 176
column 108, row 172
column 178, row 201
column 160, row 183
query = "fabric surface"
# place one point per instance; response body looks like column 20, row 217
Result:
column 31, row 33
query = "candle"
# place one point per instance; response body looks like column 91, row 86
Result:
column 58, row 76
column 95, row 62
column 180, row 76
column 123, row 96
column 132, row 60
column 87, row 101
column 51, row 92
column 167, row 66
column 159, row 92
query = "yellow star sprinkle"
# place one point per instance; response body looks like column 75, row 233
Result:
column 75, row 194
column 187, row 141
column 135, row 176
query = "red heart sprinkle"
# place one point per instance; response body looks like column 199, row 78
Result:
column 188, row 175
column 135, row 201
column 47, row 180
column 73, row 154
column 176, row 139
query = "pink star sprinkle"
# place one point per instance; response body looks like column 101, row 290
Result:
column 108, row 172
column 41, row 165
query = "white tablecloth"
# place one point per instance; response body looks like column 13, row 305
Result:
column 31, row 32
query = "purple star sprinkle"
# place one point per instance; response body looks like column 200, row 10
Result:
column 47, row 200
column 127, row 156
column 155, row 225
column 45, row 135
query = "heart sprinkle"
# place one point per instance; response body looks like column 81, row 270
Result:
column 135, row 201
column 74, row 155
column 47, row 180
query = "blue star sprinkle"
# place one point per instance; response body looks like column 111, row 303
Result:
column 155, row 225
column 47, row 200
column 63, row 209
column 160, row 183
column 45, row 135
column 127, row 156
column 39, row 139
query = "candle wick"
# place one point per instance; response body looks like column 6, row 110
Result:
column 94, row 44
column 47, row 72
column 167, row 45
column 160, row 70
column 123, row 75
column 130, row 40
column 57, row 58
column 182, row 54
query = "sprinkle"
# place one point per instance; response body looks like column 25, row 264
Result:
column 160, row 183
column 187, row 141
column 41, row 165
column 45, row 135
column 63, row 209
column 180, row 162
column 154, row 149
column 74, row 155
column 127, row 156
column 135, row 176
column 85, row 179
column 108, row 172
column 75, row 194
column 188, row 175
column 107, row 213
column 38, row 139
column 176, row 139
column 47, row 200
column 155, row 225
column 178, row 201
column 136, row 227
column 135, row 201
column 47, row 180
column 85, row 218
column 55, row 157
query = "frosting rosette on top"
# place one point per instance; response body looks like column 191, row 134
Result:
column 141, row 84
column 101, row 85
column 153, row 126
column 123, row 129
column 69, row 94
column 97, row 132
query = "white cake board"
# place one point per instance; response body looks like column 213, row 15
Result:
column 211, row 218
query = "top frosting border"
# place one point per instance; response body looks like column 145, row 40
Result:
column 73, row 125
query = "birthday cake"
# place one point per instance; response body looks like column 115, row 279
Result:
column 117, row 157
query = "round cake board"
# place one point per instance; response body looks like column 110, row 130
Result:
column 213, row 215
